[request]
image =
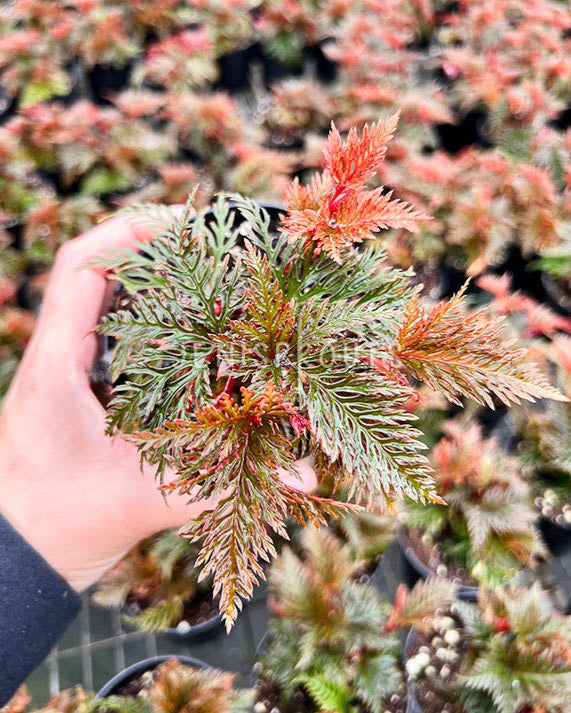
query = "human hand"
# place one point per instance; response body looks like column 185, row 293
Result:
column 76, row 495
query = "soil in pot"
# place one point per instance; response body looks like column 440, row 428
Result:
column 268, row 700
column 198, row 610
column 433, row 660
column 552, row 504
column 427, row 558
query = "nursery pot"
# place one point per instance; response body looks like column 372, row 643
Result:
column 273, row 209
column 325, row 68
column 106, row 79
column 466, row 592
column 234, row 70
column 470, row 130
column 556, row 537
column 141, row 667
column 7, row 106
column 558, row 291
column 275, row 71
column 197, row 633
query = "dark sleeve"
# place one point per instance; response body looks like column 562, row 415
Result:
column 36, row 606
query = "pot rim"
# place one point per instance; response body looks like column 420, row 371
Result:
column 147, row 664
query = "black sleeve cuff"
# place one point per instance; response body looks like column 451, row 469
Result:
column 36, row 606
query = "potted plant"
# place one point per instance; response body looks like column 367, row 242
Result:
column 33, row 53
column 16, row 326
column 236, row 360
column 206, row 126
column 488, row 531
column 332, row 646
column 166, row 684
column 162, row 684
column 508, row 653
column 231, row 29
column 368, row 535
column 546, row 450
column 297, row 106
column 106, row 45
column 157, row 585
column 185, row 60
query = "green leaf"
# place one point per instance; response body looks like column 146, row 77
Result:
column 362, row 421
column 327, row 695
column 101, row 180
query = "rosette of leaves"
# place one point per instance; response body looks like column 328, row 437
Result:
column 332, row 644
column 488, row 529
column 247, row 344
column 156, row 578
column 516, row 654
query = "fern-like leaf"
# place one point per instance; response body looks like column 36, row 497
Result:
column 462, row 354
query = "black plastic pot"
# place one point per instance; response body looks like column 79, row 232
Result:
column 199, row 633
column 469, row 131
column 234, row 70
column 7, row 106
column 55, row 179
column 15, row 229
column 465, row 592
column 325, row 68
column 141, row 667
column 498, row 424
column 558, row 291
column 77, row 84
column 275, row 71
column 563, row 120
column 526, row 278
column 260, row 648
column 274, row 210
column 556, row 537
column 107, row 79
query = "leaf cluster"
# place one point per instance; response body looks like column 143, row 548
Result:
column 520, row 652
column 156, row 579
column 333, row 634
column 244, row 346
column 489, row 524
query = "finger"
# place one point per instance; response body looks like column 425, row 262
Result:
column 307, row 481
column 75, row 297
